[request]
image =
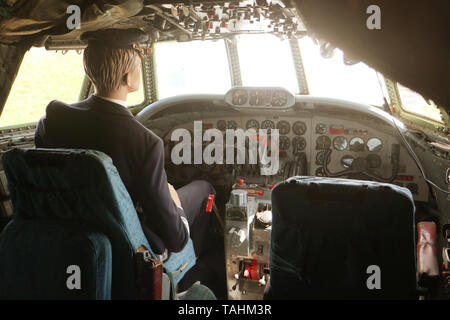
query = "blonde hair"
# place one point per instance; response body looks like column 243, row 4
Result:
column 107, row 67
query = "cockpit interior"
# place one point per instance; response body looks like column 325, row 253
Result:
column 356, row 143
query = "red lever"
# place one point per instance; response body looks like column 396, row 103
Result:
column 210, row 202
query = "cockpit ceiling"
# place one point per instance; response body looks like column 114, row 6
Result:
column 412, row 46
column 183, row 22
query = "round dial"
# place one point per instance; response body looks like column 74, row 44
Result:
column 284, row 127
column 340, row 143
column 374, row 145
column 256, row 98
column 285, row 143
column 374, row 160
column 279, row 98
column 267, row 124
column 221, row 125
column 299, row 128
column 321, row 128
column 347, row 161
column 298, row 144
column 323, row 143
column 356, row 144
column 232, row 125
column 320, row 157
column 320, row 172
column 240, row 97
column 252, row 123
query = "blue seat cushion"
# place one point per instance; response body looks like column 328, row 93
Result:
column 36, row 258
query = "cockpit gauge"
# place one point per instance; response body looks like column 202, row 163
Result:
column 320, row 157
column 299, row 128
column 347, row 161
column 284, row 127
column 285, row 143
column 340, row 143
column 298, row 144
column 257, row 98
column 356, row 144
column 252, row 124
column 260, row 97
column 323, row 143
column 321, row 128
column 374, row 145
column 268, row 124
column 232, row 125
column 320, row 172
column 279, row 98
column 374, row 160
column 222, row 125
column 240, row 97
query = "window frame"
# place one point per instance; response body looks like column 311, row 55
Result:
column 411, row 117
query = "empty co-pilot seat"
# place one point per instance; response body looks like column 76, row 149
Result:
column 75, row 230
column 341, row 239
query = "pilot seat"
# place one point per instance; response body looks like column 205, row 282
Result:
column 76, row 235
column 341, row 239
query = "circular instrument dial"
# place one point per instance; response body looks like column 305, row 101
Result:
column 320, row 172
column 240, row 97
column 323, row 143
column 284, row 127
column 252, row 123
column 268, row 124
column 232, row 125
column 256, row 98
column 285, row 143
column 279, row 98
column 222, row 125
column 374, row 145
column 299, row 128
column 321, row 128
column 298, row 144
column 340, row 143
column 374, row 160
column 356, row 144
column 347, row 161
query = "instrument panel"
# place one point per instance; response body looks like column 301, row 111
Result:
column 254, row 97
column 337, row 144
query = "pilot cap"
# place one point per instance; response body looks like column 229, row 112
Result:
column 115, row 38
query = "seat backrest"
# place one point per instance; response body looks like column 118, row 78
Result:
column 341, row 239
column 78, row 200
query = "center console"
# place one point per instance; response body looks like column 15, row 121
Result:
column 248, row 224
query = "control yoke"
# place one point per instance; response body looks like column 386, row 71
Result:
column 361, row 165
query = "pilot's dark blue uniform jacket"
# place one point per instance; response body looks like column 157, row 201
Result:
column 138, row 154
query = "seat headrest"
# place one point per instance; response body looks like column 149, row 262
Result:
column 71, row 184
column 49, row 183
column 316, row 194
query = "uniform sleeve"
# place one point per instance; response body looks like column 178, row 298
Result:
column 161, row 215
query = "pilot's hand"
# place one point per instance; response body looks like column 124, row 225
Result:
column 174, row 195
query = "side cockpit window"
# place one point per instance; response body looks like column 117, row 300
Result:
column 43, row 76
column 414, row 103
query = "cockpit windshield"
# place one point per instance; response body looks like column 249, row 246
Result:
column 264, row 60
column 331, row 77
